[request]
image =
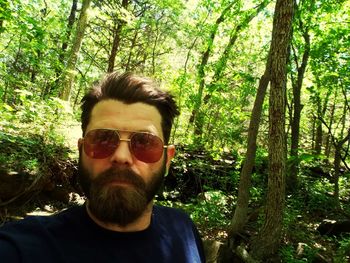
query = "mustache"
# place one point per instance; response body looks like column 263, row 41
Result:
column 123, row 175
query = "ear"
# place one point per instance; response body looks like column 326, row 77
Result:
column 170, row 155
column 80, row 143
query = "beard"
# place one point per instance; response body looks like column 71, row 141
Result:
column 118, row 204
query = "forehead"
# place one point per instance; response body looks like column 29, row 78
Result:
column 118, row 115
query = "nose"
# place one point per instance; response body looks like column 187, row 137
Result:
column 122, row 155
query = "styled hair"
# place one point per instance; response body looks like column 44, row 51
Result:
column 129, row 88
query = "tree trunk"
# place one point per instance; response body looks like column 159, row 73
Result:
column 70, row 72
column 53, row 87
column 337, row 156
column 222, row 62
column 337, row 160
column 338, row 146
column 313, row 132
column 331, row 120
column 155, row 44
column 71, row 20
column 116, row 39
column 132, row 46
column 197, row 120
column 321, row 111
column 328, row 139
column 268, row 239
column 297, row 85
column 240, row 216
column 318, row 139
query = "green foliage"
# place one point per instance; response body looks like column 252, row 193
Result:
column 167, row 40
column 212, row 209
column 316, row 198
column 342, row 254
column 29, row 132
column 289, row 254
column 197, row 171
column 42, row 116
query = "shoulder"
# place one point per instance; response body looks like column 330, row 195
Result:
column 8, row 251
column 176, row 225
column 36, row 235
column 173, row 218
column 34, row 225
column 169, row 213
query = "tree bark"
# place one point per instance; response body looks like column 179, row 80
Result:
column 240, row 216
column 297, row 85
column 267, row 242
column 70, row 72
column 71, row 20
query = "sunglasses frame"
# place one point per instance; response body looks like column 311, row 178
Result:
column 133, row 133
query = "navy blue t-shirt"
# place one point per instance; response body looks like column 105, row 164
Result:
column 71, row 236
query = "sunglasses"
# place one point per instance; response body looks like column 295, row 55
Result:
column 102, row 143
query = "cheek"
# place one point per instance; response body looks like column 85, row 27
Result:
column 145, row 170
column 94, row 166
column 152, row 170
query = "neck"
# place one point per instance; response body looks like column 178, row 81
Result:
column 138, row 225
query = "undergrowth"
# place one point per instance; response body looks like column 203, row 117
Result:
column 203, row 186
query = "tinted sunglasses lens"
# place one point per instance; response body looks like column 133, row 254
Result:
column 99, row 144
column 146, row 147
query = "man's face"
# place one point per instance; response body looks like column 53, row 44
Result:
column 120, row 187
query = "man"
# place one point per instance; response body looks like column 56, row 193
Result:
column 123, row 156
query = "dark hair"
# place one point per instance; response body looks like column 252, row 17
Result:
column 130, row 88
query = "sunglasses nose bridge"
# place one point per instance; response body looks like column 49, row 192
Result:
column 128, row 140
column 122, row 153
column 124, row 140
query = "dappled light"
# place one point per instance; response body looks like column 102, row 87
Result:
column 262, row 163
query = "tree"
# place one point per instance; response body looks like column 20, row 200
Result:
column 240, row 215
column 268, row 239
column 338, row 144
column 70, row 71
column 197, row 120
column 297, row 84
column 328, row 62
column 221, row 64
column 52, row 89
column 117, row 36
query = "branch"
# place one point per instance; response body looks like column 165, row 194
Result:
column 26, row 191
column 346, row 98
column 329, row 129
